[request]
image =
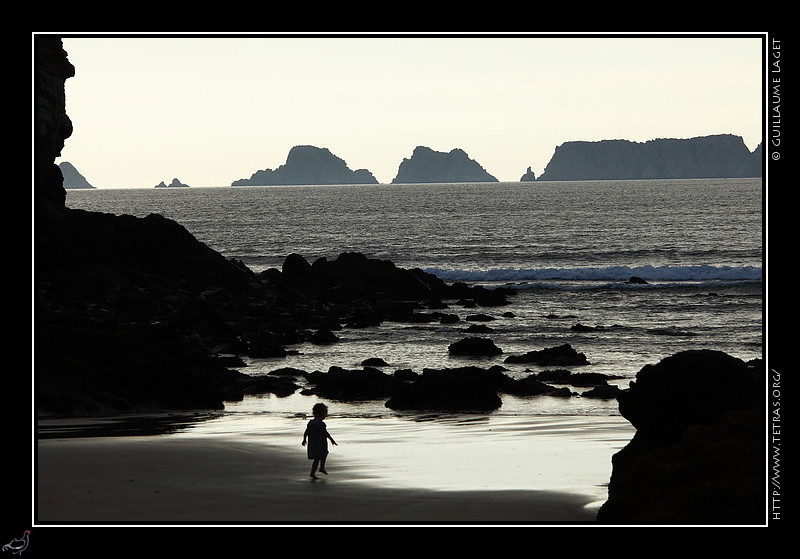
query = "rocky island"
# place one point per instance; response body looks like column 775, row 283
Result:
column 428, row 166
column 174, row 184
column 309, row 165
column 529, row 176
column 717, row 156
column 72, row 177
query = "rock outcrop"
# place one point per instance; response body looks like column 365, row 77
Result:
column 563, row 356
column 474, row 347
column 72, row 178
column 722, row 155
column 698, row 453
column 460, row 389
column 428, row 166
column 174, row 184
column 529, row 176
column 309, row 165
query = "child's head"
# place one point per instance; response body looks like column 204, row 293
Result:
column 319, row 410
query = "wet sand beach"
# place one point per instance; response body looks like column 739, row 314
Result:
column 425, row 473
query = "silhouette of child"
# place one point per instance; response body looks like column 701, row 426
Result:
column 317, row 436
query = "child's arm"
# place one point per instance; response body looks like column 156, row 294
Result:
column 305, row 436
column 330, row 438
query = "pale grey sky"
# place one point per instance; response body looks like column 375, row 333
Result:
column 212, row 110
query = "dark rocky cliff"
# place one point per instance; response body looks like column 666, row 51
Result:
column 114, row 295
column 52, row 126
column 309, row 165
column 426, row 165
column 703, row 157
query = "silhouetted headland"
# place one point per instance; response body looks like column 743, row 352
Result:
column 717, row 156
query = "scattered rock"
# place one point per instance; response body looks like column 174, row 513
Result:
column 352, row 385
column 583, row 328
column 288, row 372
column 532, row 386
column 461, row 389
column 448, row 318
column 670, row 331
column 374, row 362
column 479, row 318
column 475, row 347
column 563, row 355
column 281, row 386
column 478, row 329
column 323, row 336
column 603, row 392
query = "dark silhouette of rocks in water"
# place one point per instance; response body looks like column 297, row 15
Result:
column 352, row 385
column 562, row 355
column 564, row 376
column 529, row 176
column 475, row 347
column 461, row 389
column 309, row 165
column 72, row 177
column 428, row 166
column 602, row 392
column 378, row 284
column 716, row 156
column 374, row 362
column 697, row 455
column 584, row 328
column 174, row 184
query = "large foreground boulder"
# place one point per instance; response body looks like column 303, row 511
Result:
column 688, row 388
column 698, row 453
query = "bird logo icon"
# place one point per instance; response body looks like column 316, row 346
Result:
column 18, row 545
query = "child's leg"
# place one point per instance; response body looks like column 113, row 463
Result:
column 314, row 465
column 322, row 466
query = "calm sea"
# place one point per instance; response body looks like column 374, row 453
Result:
column 568, row 247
